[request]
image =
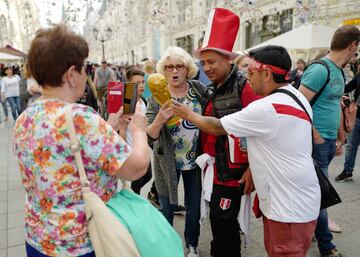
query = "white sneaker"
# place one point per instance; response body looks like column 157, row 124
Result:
column 192, row 252
column 333, row 227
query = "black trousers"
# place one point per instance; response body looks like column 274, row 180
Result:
column 224, row 210
column 136, row 185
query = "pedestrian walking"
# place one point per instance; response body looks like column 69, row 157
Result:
column 10, row 91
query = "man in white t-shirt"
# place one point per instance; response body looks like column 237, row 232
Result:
column 279, row 138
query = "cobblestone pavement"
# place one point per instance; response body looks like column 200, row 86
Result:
column 346, row 214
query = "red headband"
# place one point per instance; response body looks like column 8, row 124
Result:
column 258, row 66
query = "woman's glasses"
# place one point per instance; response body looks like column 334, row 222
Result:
column 179, row 67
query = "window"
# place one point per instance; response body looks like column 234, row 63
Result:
column 187, row 43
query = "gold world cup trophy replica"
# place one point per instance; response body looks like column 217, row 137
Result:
column 158, row 86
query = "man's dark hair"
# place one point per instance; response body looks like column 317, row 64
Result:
column 344, row 36
column 133, row 72
column 273, row 55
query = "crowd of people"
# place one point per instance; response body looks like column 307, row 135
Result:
column 247, row 122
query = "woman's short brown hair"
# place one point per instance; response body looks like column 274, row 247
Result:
column 53, row 51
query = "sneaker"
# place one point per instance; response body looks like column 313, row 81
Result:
column 333, row 227
column 153, row 200
column 6, row 118
column 192, row 252
column 342, row 177
column 333, row 253
column 179, row 209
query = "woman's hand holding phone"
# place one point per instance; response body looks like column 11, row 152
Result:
column 115, row 119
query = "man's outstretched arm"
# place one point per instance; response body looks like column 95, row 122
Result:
column 208, row 124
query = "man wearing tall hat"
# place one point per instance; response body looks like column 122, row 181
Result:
column 225, row 158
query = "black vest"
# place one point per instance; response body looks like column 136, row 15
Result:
column 227, row 100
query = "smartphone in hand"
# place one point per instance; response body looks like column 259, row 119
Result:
column 122, row 94
column 115, row 96
column 130, row 97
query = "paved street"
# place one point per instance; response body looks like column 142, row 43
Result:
column 346, row 214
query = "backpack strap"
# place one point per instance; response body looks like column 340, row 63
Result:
column 317, row 95
column 144, row 100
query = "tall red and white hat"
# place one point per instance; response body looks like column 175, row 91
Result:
column 222, row 28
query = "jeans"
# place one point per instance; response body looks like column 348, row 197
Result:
column 192, row 192
column 14, row 102
column 322, row 155
column 32, row 252
column 351, row 148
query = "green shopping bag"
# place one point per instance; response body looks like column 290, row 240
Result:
column 150, row 230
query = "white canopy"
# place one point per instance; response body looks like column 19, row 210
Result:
column 303, row 37
column 8, row 57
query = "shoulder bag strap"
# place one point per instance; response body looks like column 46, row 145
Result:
column 75, row 147
column 287, row 92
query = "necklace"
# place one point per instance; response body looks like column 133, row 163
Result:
column 179, row 99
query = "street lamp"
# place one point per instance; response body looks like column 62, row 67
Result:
column 107, row 33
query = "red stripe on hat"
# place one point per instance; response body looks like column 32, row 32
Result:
column 225, row 25
column 292, row 111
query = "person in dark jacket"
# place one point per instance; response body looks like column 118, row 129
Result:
column 354, row 137
column 226, row 159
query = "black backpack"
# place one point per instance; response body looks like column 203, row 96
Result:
column 317, row 95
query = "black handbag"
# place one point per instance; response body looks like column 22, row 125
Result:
column 329, row 196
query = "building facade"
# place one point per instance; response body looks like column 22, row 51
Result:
column 19, row 20
column 145, row 28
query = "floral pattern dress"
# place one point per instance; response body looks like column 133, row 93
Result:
column 54, row 207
